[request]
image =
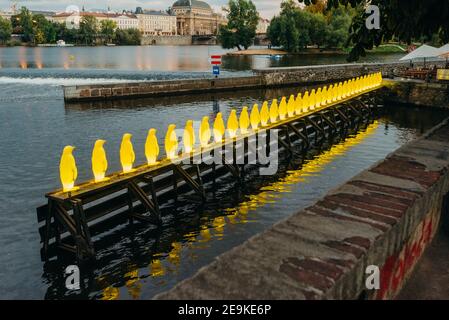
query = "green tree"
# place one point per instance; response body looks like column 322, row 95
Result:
column 107, row 28
column 128, row 37
column 405, row 20
column 5, row 30
column 290, row 29
column 240, row 31
column 337, row 30
column 88, row 30
column 24, row 20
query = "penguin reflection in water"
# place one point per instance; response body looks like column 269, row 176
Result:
column 99, row 161
column 127, row 155
column 67, row 169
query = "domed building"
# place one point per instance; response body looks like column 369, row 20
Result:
column 196, row 17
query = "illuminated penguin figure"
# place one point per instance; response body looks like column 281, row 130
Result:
column 254, row 117
column 127, row 155
column 244, row 121
column 312, row 99
column 67, row 169
column 171, row 142
column 305, row 102
column 151, row 147
column 274, row 111
column 205, row 134
column 233, row 124
column 291, row 106
column 318, row 98
column 189, row 137
column 264, row 114
column 324, row 96
column 282, row 111
column 99, row 161
column 219, row 128
column 298, row 104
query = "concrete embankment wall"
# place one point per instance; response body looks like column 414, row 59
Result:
column 167, row 40
column 386, row 216
column 263, row 78
column 419, row 93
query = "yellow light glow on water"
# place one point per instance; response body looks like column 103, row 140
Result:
column 274, row 191
column 264, row 114
column 111, row 293
column 244, row 121
column 156, row 268
column 68, row 171
column 127, row 155
column 189, row 137
column 233, row 124
column 133, row 284
column 274, row 111
column 99, row 161
column 282, row 111
column 219, row 128
column 171, row 142
column 151, row 147
column 255, row 117
column 205, row 133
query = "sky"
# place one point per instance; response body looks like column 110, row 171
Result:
column 266, row 8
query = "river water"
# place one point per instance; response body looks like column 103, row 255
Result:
column 133, row 260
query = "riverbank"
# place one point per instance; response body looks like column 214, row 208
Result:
column 258, row 52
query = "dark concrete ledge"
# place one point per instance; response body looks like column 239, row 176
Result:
column 385, row 216
column 418, row 93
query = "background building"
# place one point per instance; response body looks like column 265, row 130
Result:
column 196, row 18
column 72, row 20
column 262, row 26
column 156, row 23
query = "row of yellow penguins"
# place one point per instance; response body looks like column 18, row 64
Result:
column 256, row 119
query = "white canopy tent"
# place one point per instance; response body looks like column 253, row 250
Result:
column 423, row 52
column 444, row 51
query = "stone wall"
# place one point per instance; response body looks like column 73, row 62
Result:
column 158, row 88
column 385, row 216
column 263, row 78
column 423, row 94
column 327, row 73
column 166, row 40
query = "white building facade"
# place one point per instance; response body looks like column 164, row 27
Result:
column 157, row 23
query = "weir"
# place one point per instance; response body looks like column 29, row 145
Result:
column 66, row 219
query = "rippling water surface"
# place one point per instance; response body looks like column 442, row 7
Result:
column 136, row 261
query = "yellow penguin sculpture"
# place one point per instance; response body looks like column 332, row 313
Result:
column 255, row 117
column 318, row 98
column 67, row 169
column 205, row 133
column 244, row 121
column 127, row 155
column 99, row 161
column 219, row 128
column 282, row 111
column 324, row 96
column 274, row 111
column 189, row 137
column 151, row 147
column 171, row 142
column 264, row 114
column 298, row 104
column 305, row 102
column 233, row 124
column 312, row 99
column 291, row 106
